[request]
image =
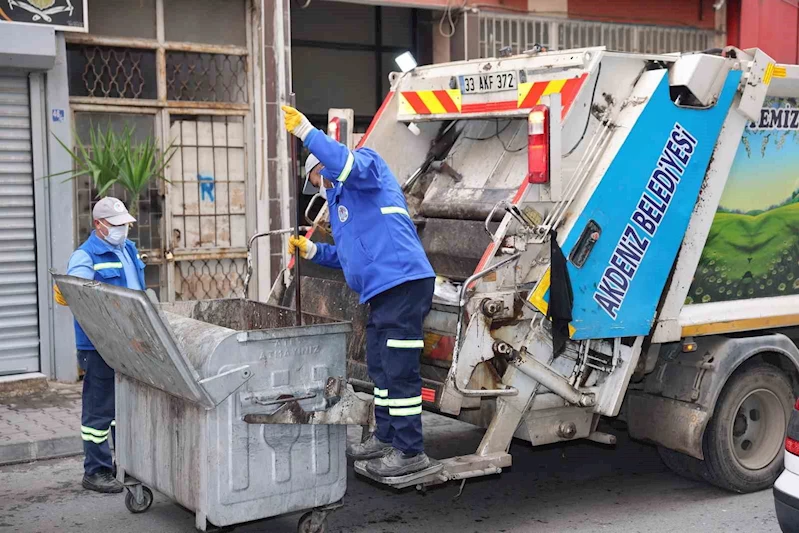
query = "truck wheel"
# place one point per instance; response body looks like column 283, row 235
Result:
column 683, row 465
column 745, row 438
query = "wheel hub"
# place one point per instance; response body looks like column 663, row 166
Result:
column 754, row 440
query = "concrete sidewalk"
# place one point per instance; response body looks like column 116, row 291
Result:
column 41, row 425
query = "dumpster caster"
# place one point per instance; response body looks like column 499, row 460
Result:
column 142, row 502
column 313, row 522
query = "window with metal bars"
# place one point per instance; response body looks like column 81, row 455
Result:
column 520, row 33
column 208, row 184
column 127, row 75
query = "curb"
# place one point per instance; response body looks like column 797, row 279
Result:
column 22, row 384
column 25, row 452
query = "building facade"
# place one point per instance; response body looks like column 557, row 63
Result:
column 207, row 78
column 355, row 43
column 203, row 78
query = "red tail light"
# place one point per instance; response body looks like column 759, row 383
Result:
column 792, row 446
column 796, row 405
column 538, row 144
column 334, row 129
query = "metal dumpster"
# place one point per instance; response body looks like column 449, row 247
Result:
column 189, row 378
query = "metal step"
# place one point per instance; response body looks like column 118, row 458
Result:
column 452, row 469
column 408, row 480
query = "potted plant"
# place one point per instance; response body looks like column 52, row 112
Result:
column 112, row 158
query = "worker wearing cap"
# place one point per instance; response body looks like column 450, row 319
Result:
column 377, row 247
column 109, row 257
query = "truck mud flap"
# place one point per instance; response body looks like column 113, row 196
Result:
column 671, row 423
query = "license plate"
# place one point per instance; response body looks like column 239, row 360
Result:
column 488, row 83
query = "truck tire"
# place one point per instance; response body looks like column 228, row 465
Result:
column 683, row 465
column 745, row 437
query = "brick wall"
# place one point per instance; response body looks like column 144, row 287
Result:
column 693, row 13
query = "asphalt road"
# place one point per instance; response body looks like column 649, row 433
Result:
column 579, row 488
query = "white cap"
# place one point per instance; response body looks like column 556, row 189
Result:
column 310, row 163
column 112, row 210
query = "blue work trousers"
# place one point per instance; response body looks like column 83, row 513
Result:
column 394, row 342
column 97, row 418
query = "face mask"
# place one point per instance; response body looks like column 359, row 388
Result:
column 322, row 186
column 116, row 234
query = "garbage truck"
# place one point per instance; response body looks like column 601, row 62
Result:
column 614, row 235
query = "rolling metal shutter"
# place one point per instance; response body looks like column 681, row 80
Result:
column 19, row 325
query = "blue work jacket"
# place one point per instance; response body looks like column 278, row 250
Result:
column 108, row 268
column 377, row 246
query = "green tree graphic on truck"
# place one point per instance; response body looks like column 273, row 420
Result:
column 752, row 250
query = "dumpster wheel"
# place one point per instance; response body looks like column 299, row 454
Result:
column 313, row 522
column 143, row 503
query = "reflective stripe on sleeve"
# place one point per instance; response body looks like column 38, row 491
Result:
column 400, row 343
column 395, row 211
column 405, row 411
column 103, row 266
column 345, row 173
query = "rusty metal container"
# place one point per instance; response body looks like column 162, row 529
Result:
column 189, row 374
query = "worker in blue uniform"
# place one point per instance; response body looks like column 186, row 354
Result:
column 379, row 251
column 107, row 256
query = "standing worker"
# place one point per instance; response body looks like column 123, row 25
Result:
column 109, row 257
column 382, row 257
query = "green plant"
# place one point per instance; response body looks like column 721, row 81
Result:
column 110, row 158
column 138, row 163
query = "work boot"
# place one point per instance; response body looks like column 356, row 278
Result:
column 396, row 463
column 371, row 448
column 102, row 481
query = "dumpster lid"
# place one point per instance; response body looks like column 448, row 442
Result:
column 132, row 336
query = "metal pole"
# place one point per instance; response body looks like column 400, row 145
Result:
column 296, row 190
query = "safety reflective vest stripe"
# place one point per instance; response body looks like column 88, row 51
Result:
column 103, row 266
column 402, row 343
column 345, row 173
column 395, row 211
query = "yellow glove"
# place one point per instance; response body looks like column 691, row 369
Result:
column 306, row 247
column 296, row 123
column 59, row 298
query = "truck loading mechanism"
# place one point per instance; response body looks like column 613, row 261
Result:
column 626, row 157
